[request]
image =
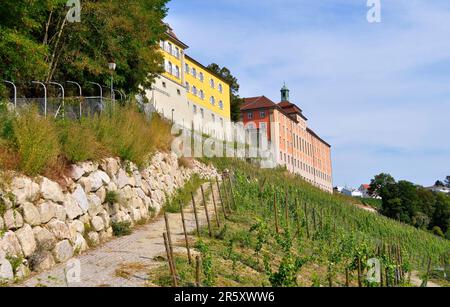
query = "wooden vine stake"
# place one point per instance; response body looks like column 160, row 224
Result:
column 185, row 234
column 215, row 205
column 286, row 210
column 231, row 192
column 169, row 261
column 206, row 212
column 299, row 231
column 195, row 214
column 306, row 220
column 275, row 209
column 226, row 194
column 221, row 199
column 169, row 237
column 197, row 271
column 359, row 273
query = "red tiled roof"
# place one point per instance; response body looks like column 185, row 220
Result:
column 291, row 108
column 257, row 103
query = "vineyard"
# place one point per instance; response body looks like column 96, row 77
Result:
column 281, row 231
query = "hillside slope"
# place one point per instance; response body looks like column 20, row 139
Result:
column 322, row 240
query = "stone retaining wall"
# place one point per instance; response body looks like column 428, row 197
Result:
column 43, row 223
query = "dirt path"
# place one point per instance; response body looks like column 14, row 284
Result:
column 124, row 262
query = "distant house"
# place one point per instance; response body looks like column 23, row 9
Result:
column 364, row 189
column 338, row 190
column 352, row 192
column 439, row 189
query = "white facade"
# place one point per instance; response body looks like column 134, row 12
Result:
column 169, row 99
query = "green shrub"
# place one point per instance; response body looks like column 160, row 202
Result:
column 121, row 229
column 111, row 197
column 438, row 232
column 37, row 143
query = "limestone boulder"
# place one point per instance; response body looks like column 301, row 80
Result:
column 31, row 214
column 42, row 261
column 59, row 229
column 63, row 251
column 98, row 179
column 24, row 190
column 73, row 210
column 6, row 270
column 25, row 236
column 47, row 211
column 51, row 191
column 111, row 166
column 61, row 213
column 11, row 245
column 44, row 238
column 12, row 219
column 95, row 205
column 97, row 223
column 79, row 195
column 76, row 172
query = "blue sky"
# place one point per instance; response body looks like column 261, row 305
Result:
column 379, row 93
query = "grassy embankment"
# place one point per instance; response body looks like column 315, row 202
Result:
column 321, row 239
column 34, row 145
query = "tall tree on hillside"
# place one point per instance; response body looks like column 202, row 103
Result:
column 37, row 41
column 439, row 184
column 236, row 101
column 447, row 181
column 379, row 185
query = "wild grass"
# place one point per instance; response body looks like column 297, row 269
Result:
column 183, row 195
column 36, row 145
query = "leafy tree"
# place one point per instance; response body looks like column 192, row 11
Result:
column 37, row 42
column 447, row 181
column 236, row 101
column 439, row 184
column 380, row 184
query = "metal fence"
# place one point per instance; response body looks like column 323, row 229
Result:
column 70, row 108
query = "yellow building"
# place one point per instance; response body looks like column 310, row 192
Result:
column 187, row 89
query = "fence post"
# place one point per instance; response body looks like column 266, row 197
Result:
column 170, row 261
column 185, row 233
column 206, row 211
column 195, row 214
column 215, row 205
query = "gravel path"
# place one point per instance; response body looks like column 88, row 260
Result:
column 125, row 262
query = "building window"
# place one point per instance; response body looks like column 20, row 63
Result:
column 212, row 83
column 194, row 72
column 263, row 126
column 168, row 67
column 164, row 84
column 179, row 92
column 213, row 117
column 250, row 115
column 194, row 90
column 195, row 109
column 176, row 71
column 188, row 87
column 161, row 44
column 262, row 114
column 202, row 112
column 212, row 100
column 220, row 88
column 168, row 47
column 186, row 68
column 202, row 95
column 221, row 105
column 201, row 77
column 221, row 122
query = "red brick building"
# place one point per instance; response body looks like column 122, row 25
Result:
column 297, row 147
